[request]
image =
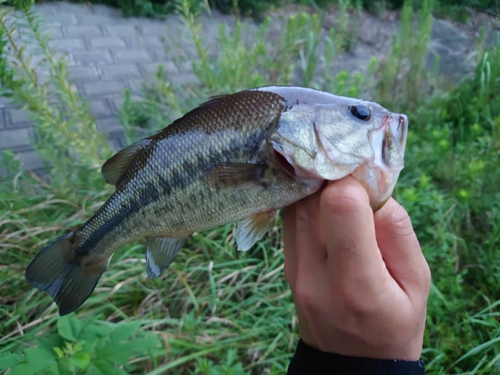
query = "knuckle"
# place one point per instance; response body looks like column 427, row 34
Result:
column 358, row 307
column 302, row 297
column 426, row 277
column 401, row 219
column 345, row 200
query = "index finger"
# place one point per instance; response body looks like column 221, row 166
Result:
column 349, row 230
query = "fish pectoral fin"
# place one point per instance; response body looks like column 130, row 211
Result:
column 251, row 229
column 235, row 175
column 116, row 166
column 160, row 253
column 67, row 277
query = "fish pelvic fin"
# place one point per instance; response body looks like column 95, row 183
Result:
column 160, row 253
column 58, row 270
column 253, row 228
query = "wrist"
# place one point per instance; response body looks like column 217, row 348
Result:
column 400, row 345
column 311, row 361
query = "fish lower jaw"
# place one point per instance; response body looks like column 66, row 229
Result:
column 378, row 182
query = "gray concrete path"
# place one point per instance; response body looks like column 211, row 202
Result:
column 109, row 53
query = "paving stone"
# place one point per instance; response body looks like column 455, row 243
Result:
column 145, row 41
column 107, row 42
column 183, row 79
column 133, row 55
column 73, row 8
column 121, row 30
column 92, row 57
column 100, row 19
column 120, row 71
column 117, row 103
column 104, row 9
column 68, row 45
column 45, row 9
column 115, row 143
column 159, row 54
column 11, row 138
column 136, row 86
column 156, row 27
column 99, row 108
column 83, row 73
column 33, row 49
column 3, row 121
column 169, row 67
column 60, row 19
column 82, row 31
column 186, row 66
column 4, row 101
column 54, row 32
column 109, row 125
column 18, row 115
column 30, row 159
column 103, row 88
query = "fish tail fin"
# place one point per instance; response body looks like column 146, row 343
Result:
column 59, row 270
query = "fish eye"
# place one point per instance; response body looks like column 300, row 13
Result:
column 361, row 112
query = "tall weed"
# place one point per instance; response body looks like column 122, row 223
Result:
column 65, row 130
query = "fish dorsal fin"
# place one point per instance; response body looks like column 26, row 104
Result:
column 235, row 175
column 160, row 253
column 251, row 229
column 115, row 167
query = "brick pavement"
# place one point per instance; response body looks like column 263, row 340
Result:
column 109, row 53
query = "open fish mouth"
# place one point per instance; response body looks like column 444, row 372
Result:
column 347, row 136
column 379, row 177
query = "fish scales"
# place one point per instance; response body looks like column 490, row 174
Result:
column 235, row 157
column 165, row 180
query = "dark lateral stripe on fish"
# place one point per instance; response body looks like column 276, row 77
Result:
column 177, row 179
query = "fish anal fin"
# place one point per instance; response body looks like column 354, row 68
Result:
column 64, row 275
column 235, row 175
column 116, row 166
column 160, row 253
column 253, row 228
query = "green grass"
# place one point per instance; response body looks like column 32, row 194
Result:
column 217, row 311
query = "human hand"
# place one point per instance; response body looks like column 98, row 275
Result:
column 359, row 280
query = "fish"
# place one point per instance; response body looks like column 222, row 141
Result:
column 237, row 157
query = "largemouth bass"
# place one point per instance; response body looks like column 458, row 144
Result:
column 236, row 157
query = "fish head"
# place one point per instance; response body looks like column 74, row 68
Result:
column 342, row 136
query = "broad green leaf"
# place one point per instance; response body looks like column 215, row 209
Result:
column 38, row 361
column 124, row 331
column 81, row 360
column 65, row 366
column 50, row 341
column 107, row 368
column 8, row 360
column 39, row 357
column 69, row 327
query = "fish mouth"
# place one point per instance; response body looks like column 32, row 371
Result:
column 394, row 142
column 379, row 176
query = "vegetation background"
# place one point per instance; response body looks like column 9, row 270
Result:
column 217, row 311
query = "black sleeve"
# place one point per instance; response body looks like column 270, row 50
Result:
column 310, row 361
